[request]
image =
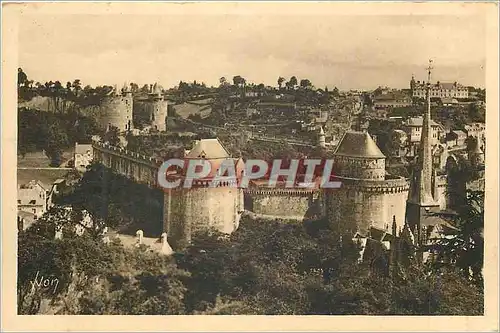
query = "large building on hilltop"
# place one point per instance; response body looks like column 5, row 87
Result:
column 368, row 197
column 438, row 90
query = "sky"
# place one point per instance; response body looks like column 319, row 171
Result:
column 348, row 52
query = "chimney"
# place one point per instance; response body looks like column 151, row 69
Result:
column 58, row 234
column 394, row 225
column 165, row 247
column 139, row 235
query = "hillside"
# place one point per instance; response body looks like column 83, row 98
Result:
column 202, row 107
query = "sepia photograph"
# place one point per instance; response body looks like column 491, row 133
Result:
column 281, row 159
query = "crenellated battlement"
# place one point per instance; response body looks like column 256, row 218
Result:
column 281, row 192
column 377, row 186
column 118, row 151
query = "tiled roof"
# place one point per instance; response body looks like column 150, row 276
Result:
column 459, row 132
column 82, row 149
column 208, row 149
column 418, row 121
column 358, row 144
column 449, row 85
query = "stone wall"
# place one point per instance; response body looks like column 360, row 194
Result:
column 187, row 211
column 139, row 168
column 358, row 204
column 184, row 211
column 282, row 202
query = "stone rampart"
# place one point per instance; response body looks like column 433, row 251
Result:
column 282, row 202
column 359, row 204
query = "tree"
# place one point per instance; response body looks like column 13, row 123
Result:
column 305, row 83
column 55, row 142
column 240, row 82
column 22, row 78
column 464, row 248
column 76, row 87
column 112, row 136
column 261, row 88
column 335, row 92
column 292, row 83
column 93, row 277
column 280, row 82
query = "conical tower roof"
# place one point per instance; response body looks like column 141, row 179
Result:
column 156, row 89
column 126, row 87
column 358, row 144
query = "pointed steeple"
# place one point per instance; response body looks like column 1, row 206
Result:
column 321, row 138
column 422, row 193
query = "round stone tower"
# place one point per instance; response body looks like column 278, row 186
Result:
column 116, row 109
column 204, row 205
column 158, row 107
column 476, row 155
column 367, row 197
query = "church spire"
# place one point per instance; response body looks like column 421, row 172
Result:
column 423, row 193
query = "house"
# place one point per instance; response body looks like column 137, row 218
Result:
column 413, row 128
column 83, row 155
column 319, row 116
column 456, row 138
column 391, row 100
column 33, row 198
column 400, row 137
column 477, row 130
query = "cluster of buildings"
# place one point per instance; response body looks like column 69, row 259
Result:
column 383, row 212
column 408, row 138
column 446, row 94
column 34, row 199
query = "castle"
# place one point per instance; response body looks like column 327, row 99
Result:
column 369, row 202
column 118, row 109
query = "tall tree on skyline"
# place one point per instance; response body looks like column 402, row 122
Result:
column 280, row 82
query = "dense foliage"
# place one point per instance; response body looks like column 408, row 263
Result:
column 39, row 130
column 265, row 267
